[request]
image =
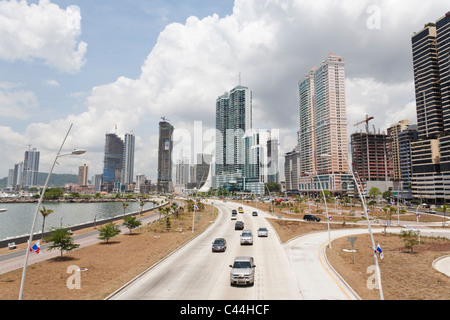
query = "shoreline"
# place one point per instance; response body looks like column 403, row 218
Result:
column 70, row 200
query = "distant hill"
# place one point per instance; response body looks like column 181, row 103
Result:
column 56, row 180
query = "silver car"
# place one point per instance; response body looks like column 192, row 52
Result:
column 263, row 232
column 242, row 271
column 247, row 237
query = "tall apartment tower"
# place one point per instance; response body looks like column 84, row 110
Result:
column 431, row 153
column 112, row 163
column 322, row 138
column 233, row 119
column 393, row 132
column 164, row 179
column 83, row 172
column 128, row 159
column 182, row 173
column 30, row 168
column 292, row 170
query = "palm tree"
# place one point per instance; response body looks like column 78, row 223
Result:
column 45, row 213
column 124, row 205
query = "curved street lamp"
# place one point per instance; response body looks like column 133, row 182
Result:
column 59, row 155
column 417, row 218
column 324, row 198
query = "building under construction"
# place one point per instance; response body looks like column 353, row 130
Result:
column 372, row 155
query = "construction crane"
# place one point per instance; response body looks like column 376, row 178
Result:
column 366, row 121
column 163, row 118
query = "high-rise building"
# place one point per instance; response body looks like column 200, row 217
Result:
column 233, row 120
column 272, row 172
column 112, row 163
column 18, row 176
column 322, row 137
column 30, row 168
column 372, row 157
column 431, row 153
column 164, row 179
column 10, row 181
column 393, row 132
column 405, row 139
column 182, row 173
column 98, row 182
column 128, row 159
column 292, row 171
column 83, row 175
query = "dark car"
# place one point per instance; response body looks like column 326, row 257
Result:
column 239, row 225
column 310, row 217
column 219, row 245
column 254, row 213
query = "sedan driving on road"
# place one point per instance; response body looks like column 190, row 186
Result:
column 310, row 217
column 247, row 237
column 239, row 225
column 263, row 232
column 219, row 245
column 242, row 271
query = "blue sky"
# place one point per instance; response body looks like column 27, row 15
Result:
column 100, row 64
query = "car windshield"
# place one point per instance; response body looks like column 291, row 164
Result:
column 220, row 242
column 246, row 234
column 242, row 264
column 262, row 229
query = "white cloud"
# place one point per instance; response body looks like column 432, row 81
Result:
column 387, row 103
column 272, row 43
column 42, row 31
column 16, row 103
column 52, row 83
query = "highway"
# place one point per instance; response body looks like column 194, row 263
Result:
column 194, row 272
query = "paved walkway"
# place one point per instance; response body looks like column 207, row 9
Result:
column 442, row 265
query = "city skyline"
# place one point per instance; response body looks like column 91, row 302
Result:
column 43, row 90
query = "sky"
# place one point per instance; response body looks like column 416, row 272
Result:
column 119, row 66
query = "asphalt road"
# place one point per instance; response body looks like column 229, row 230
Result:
column 194, row 272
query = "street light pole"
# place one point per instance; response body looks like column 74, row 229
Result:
column 368, row 223
column 325, row 203
column 417, row 219
column 74, row 152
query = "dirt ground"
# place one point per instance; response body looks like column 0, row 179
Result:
column 110, row 265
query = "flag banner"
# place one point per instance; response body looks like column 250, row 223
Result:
column 379, row 251
column 195, row 207
column 418, row 214
column 36, row 247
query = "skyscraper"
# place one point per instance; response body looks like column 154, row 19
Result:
column 112, row 163
column 83, row 172
column 128, row 159
column 322, row 137
column 164, row 179
column 233, row 120
column 30, row 168
column 431, row 153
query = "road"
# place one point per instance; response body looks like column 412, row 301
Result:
column 194, row 272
